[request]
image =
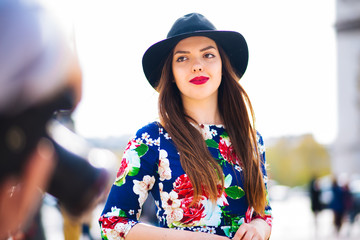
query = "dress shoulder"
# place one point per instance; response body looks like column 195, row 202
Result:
column 151, row 129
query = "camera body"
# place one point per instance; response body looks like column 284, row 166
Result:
column 75, row 182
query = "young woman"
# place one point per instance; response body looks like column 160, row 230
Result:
column 204, row 163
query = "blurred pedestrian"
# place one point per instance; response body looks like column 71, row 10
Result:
column 337, row 204
column 316, row 206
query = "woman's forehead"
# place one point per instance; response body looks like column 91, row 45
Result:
column 195, row 41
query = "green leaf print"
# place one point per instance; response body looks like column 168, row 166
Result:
column 142, row 149
column 224, row 135
column 133, row 171
column 211, row 143
column 122, row 213
column 235, row 192
column 120, row 182
column 103, row 236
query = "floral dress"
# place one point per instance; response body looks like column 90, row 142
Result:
column 151, row 164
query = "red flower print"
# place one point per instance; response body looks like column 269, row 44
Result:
column 191, row 214
column 183, row 187
column 249, row 214
column 110, row 222
column 122, row 168
column 227, row 150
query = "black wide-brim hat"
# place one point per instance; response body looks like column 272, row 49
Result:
column 195, row 24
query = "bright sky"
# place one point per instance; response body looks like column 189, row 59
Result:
column 291, row 76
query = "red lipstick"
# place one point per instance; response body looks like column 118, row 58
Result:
column 199, row 80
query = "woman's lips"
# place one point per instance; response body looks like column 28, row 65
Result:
column 199, row 80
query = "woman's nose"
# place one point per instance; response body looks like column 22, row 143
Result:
column 197, row 67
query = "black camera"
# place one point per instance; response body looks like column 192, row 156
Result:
column 75, row 182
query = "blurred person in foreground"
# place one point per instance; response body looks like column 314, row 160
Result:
column 203, row 162
column 37, row 67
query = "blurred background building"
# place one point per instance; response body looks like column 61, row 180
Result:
column 346, row 158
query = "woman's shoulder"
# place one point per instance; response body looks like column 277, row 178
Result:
column 149, row 130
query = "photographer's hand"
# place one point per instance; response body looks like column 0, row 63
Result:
column 20, row 196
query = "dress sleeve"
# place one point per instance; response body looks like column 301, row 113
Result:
column 268, row 217
column 135, row 178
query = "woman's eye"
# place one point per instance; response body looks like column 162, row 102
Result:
column 209, row 55
column 181, row 59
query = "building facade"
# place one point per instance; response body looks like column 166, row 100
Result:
column 347, row 144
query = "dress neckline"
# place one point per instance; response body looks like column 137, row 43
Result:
column 201, row 125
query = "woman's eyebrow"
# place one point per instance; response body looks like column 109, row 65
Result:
column 207, row 48
column 181, row 52
column 201, row 50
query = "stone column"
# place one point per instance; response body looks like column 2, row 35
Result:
column 346, row 158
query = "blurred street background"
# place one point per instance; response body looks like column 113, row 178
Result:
column 303, row 78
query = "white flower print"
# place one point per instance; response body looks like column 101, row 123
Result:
column 141, row 188
column 238, row 168
column 115, row 212
column 166, row 135
column 171, row 205
column 119, row 232
column 265, row 179
column 222, row 201
column 161, row 130
column 261, row 148
column 157, row 142
column 164, row 166
column 170, row 200
column 149, row 141
column 212, row 214
column 213, row 132
column 174, row 216
column 112, row 234
column 158, row 209
column 261, row 145
column 120, row 227
column 139, row 141
column 205, row 131
column 131, row 212
column 157, row 203
column 212, row 231
column 145, row 135
column 204, row 228
column 132, row 157
column 138, row 214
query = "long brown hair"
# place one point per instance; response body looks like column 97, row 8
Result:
column 203, row 171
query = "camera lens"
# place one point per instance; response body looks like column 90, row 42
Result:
column 75, row 182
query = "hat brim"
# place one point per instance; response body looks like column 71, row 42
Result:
column 233, row 43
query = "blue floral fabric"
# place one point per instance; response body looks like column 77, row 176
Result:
column 151, row 164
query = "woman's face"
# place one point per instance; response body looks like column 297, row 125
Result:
column 196, row 66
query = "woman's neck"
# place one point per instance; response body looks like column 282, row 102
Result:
column 203, row 112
